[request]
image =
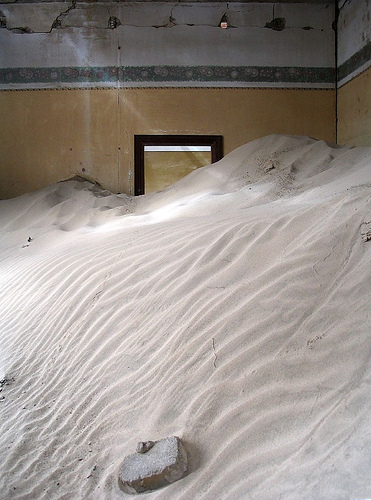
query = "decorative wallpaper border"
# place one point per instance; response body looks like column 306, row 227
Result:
column 354, row 63
column 154, row 75
column 242, row 74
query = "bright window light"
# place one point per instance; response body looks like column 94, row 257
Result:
column 176, row 148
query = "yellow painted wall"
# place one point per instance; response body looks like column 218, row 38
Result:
column 51, row 135
column 47, row 136
column 354, row 111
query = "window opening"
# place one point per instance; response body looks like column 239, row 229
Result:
column 162, row 160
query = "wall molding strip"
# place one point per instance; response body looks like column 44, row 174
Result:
column 356, row 64
column 115, row 89
column 154, row 76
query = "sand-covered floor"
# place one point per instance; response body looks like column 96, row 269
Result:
column 232, row 310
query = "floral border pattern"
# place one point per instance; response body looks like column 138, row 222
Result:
column 166, row 74
column 356, row 61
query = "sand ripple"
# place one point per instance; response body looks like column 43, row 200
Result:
column 239, row 320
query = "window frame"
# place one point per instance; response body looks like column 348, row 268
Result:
column 140, row 141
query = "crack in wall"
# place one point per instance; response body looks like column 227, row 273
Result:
column 57, row 23
column 26, row 29
column 114, row 21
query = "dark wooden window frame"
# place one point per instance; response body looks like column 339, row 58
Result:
column 215, row 141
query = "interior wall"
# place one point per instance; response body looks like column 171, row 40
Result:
column 52, row 135
column 240, row 115
column 147, row 44
column 354, row 111
column 354, row 73
column 48, row 136
column 79, row 80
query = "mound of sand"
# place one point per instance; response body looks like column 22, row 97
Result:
column 231, row 309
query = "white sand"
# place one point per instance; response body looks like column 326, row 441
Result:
column 232, row 309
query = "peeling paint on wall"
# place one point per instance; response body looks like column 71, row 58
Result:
column 166, row 44
column 42, row 17
column 2, row 20
column 277, row 24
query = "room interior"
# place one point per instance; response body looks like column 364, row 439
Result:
column 79, row 80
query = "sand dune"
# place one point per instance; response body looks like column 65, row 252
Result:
column 231, row 309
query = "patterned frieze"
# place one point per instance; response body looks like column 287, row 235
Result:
column 138, row 76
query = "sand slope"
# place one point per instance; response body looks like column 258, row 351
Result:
column 232, row 309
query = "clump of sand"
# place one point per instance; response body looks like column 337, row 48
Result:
column 232, row 309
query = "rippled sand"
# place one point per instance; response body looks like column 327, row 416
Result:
column 232, row 309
